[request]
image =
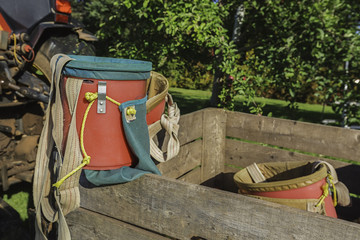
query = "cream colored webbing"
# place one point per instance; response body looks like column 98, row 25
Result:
column 343, row 195
column 255, row 173
column 157, row 89
column 68, row 197
column 170, row 123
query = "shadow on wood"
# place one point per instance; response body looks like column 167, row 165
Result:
column 349, row 175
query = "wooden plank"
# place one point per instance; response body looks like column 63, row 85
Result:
column 85, row 224
column 315, row 138
column 214, row 127
column 189, row 157
column 242, row 154
column 193, row 176
column 183, row 211
column 190, row 127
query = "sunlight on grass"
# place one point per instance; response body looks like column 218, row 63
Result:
column 18, row 201
column 193, row 100
column 190, row 100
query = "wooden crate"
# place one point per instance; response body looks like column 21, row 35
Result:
column 196, row 197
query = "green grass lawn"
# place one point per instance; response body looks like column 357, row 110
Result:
column 192, row 100
column 18, row 198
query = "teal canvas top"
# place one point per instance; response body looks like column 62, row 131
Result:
column 91, row 67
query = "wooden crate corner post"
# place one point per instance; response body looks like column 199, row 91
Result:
column 213, row 149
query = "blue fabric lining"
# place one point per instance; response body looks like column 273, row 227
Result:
column 107, row 68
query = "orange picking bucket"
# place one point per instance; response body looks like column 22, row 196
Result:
column 104, row 137
column 295, row 184
column 119, row 79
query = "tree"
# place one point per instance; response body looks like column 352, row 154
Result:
column 295, row 50
column 299, row 48
column 179, row 37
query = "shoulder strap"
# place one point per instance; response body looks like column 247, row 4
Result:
column 51, row 205
column 170, row 123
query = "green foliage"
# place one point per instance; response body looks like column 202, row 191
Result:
column 293, row 50
column 298, row 49
column 177, row 35
column 19, row 201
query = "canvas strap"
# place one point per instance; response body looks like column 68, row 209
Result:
column 343, row 195
column 170, row 123
column 53, row 204
column 255, row 173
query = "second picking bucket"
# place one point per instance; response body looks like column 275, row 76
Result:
column 296, row 184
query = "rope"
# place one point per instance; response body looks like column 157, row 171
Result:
column 326, row 192
column 90, row 97
column 324, row 195
column 15, row 56
column 331, row 180
column 85, row 162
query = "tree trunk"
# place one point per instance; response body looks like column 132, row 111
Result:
column 216, row 89
column 217, row 85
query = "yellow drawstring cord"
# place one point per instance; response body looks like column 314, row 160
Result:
column 333, row 189
column 90, row 97
column 326, row 192
column 85, row 162
column 15, row 55
column 324, row 195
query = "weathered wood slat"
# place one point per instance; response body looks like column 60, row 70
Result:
column 242, row 154
column 85, row 224
column 193, row 176
column 189, row 157
column 214, row 127
column 190, row 127
column 182, row 210
column 315, row 138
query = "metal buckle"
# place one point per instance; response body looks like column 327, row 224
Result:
column 101, row 106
